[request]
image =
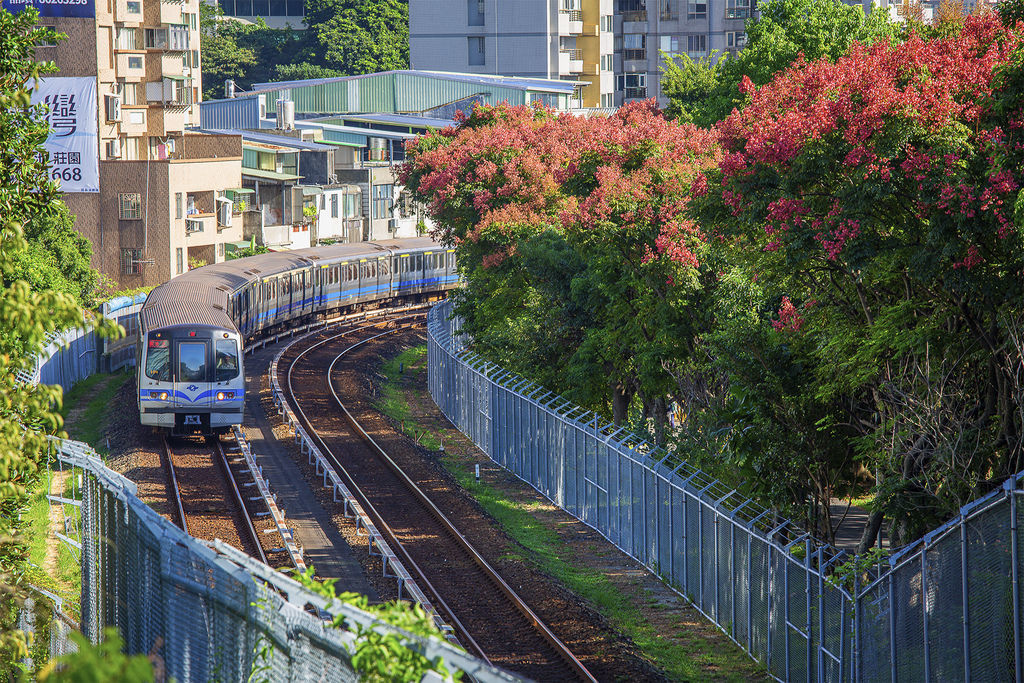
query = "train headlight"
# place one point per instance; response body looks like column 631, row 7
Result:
column 160, row 395
column 223, row 395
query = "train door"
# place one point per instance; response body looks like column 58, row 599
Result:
column 384, row 276
column 191, row 378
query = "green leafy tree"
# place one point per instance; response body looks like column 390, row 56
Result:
column 303, row 71
column 29, row 204
column 358, row 36
column 223, row 57
column 382, row 656
column 705, row 91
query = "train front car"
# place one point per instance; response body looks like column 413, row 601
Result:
column 190, row 374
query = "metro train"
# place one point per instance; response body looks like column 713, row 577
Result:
column 194, row 328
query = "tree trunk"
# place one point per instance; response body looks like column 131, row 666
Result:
column 621, row 397
column 867, row 540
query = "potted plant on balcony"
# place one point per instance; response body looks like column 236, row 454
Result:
column 239, row 206
column 309, row 215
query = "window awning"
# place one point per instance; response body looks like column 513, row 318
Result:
column 240, row 190
column 268, row 175
column 311, row 190
column 173, row 78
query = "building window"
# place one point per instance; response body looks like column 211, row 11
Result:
column 135, row 62
column 737, row 9
column 697, row 44
column 220, row 250
column 179, row 204
column 382, row 201
column 134, row 7
column 129, row 206
column 606, row 23
column 476, row 51
column 697, row 10
column 634, row 46
column 735, row 40
column 633, row 85
column 669, row 10
column 475, row 9
column 126, row 39
column 334, row 205
column 131, row 261
column 180, row 254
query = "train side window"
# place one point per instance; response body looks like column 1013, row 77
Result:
column 192, row 362
column 419, row 262
column 158, row 360
column 385, row 270
column 227, row 359
column 336, row 271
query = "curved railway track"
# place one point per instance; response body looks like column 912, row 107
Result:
column 210, row 507
column 487, row 614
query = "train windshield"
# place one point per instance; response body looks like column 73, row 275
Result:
column 227, row 359
column 192, row 362
column 158, row 360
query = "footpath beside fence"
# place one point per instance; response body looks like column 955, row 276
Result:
column 947, row 607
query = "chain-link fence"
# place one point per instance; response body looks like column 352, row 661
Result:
column 946, row 608
column 207, row 611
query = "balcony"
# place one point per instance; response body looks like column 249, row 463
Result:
column 570, row 61
column 197, row 224
column 637, row 16
column 570, row 22
column 636, row 93
column 639, row 55
column 170, row 12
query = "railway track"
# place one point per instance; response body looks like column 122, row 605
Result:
column 489, row 617
column 209, row 506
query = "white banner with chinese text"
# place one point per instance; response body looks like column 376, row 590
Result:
column 74, row 135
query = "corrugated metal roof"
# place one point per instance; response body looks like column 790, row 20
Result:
column 400, row 120
column 267, row 175
column 338, row 126
column 266, row 146
column 273, row 139
column 542, row 84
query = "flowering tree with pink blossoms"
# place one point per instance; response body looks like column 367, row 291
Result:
column 574, row 240
column 875, row 198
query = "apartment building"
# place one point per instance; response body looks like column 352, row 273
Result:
column 647, row 29
column 160, row 202
column 569, row 40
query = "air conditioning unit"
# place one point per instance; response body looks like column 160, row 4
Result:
column 114, row 149
column 224, row 207
column 113, row 107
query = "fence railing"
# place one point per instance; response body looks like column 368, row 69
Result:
column 207, row 610
column 945, row 608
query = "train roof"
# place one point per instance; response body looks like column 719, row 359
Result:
column 200, row 296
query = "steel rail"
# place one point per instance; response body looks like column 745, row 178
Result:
column 563, row 651
column 174, row 486
column 461, row 540
column 241, row 503
column 379, row 522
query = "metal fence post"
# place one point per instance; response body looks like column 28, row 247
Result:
column 924, row 610
column 963, row 581
column 1018, row 666
column 807, row 600
column 892, row 630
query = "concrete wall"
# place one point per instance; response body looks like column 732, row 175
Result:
column 520, row 37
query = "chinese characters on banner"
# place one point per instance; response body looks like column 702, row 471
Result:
column 71, row 113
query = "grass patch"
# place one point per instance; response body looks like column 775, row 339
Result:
column 89, row 424
column 409, row 364
column 687, row 660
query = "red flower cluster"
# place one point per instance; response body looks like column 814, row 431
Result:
column 507, row 170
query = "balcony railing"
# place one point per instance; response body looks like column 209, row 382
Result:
column 634, row 54
column 737, row 12
column 574, row 53
column 635, row 15
column 633, row 93
column 574, row 14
